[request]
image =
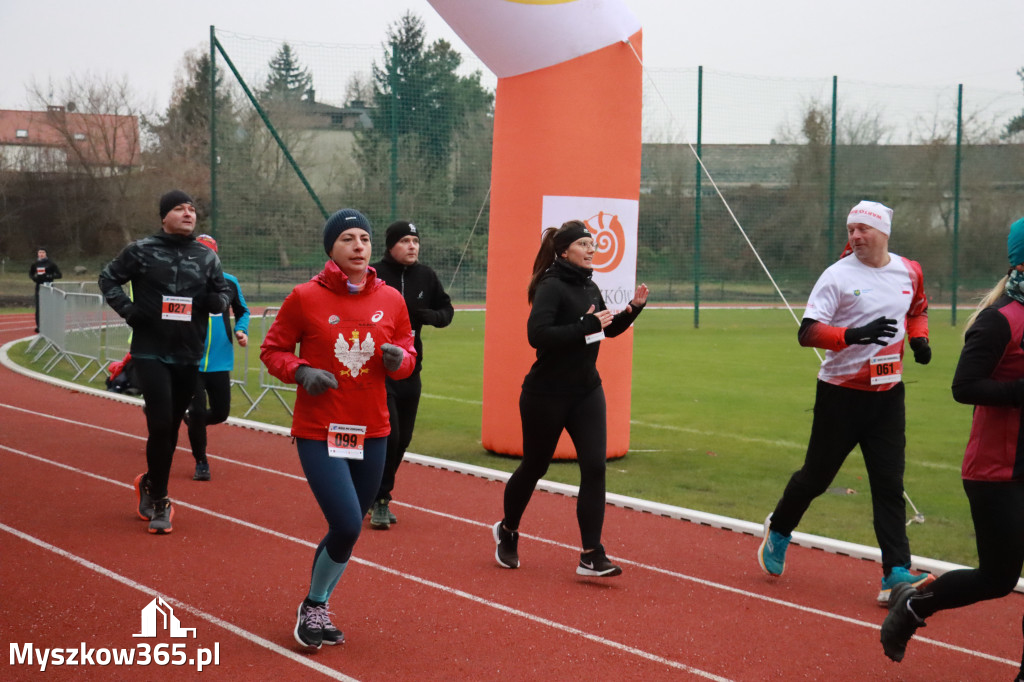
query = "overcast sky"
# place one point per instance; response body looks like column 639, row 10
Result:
column 903, row 42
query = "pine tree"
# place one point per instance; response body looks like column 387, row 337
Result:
column 184, row 131
column 288, row 80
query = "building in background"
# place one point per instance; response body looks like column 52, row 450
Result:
column 60, row 140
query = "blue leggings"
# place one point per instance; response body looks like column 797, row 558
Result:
column 344, row 489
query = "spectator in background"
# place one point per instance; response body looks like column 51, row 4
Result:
column 176, row 283
column 215, row 367
column 990, row 376
column 43, row 271
column 427, row 303
column 861, row 311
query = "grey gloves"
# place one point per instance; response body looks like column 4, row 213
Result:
column 315, row 381
column 392, row 356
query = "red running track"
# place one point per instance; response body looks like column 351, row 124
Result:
column 423, row 601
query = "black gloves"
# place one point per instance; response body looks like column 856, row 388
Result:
column 922, row 351
column 315, row 381
column 872, row 332
column 215, row 303
column 392, row 356
column 211, row 304
column 132, row 316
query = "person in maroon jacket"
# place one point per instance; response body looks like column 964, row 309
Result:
column 990, row 376
column 351, row 330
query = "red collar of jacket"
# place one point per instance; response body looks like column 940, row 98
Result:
column 332, row 278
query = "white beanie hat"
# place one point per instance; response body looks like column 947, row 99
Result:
column 872, row 214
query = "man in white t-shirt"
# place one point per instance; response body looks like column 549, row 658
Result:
column 860, row 311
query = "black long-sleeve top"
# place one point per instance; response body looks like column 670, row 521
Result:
column 160, row 266
column 558, row 327
column 424, row 295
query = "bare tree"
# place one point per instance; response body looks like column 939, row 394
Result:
column 94, row 122
column 1014, row 131
column 853, row 126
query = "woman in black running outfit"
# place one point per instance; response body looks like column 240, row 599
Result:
column 990, row 376
column 563, row 389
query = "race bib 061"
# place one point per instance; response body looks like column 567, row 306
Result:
column 886, row 369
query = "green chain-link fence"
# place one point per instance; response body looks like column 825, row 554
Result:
column 401, row 132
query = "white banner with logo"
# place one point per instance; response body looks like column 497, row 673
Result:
column 613, row 222
column 513, row 37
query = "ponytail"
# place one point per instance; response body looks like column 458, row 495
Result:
column 990, row 298
column 545, row 257
column 552, row 244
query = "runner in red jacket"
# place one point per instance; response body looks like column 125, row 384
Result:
column 351, row 331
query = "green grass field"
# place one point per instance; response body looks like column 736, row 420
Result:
column 721, row 417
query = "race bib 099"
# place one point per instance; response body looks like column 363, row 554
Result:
column 345, row 441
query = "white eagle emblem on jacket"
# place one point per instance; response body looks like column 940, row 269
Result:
column 357, row 355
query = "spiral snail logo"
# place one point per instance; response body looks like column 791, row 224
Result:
column 610, row 240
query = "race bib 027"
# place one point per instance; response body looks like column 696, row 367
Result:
column 176, row 308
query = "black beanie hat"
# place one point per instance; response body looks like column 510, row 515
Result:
column 397, row 230
column 345, row 219
column 172, row 199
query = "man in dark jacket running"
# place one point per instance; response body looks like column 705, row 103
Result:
column 177, row 283
column 428, row 304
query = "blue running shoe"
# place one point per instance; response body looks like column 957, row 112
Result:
column 898, row 576
column 771, row 555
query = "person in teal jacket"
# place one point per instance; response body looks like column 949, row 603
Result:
column 215, row 367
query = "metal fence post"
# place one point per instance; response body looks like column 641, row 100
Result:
column 956, row 198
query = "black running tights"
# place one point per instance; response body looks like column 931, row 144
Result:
column 997, row 509
column 167, row 390
column 403, row 403
column 217, row 387
column 544, row 417
column 843, row 419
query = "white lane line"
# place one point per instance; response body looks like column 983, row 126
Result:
column 143, row 438
column 715, row 434
column 733, row 590
column 833, row 546
column 692, row 579
column 434, row 396
column 177, row 603
column 413, row 578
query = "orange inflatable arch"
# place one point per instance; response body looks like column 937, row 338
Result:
column 566, row 146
